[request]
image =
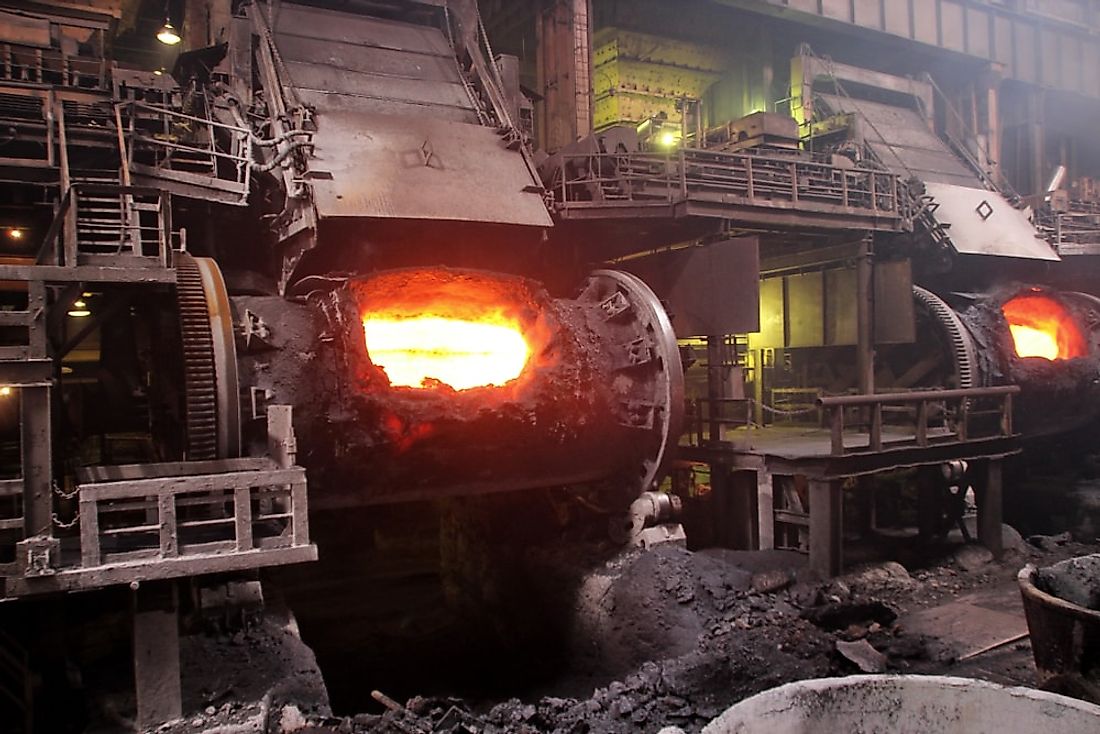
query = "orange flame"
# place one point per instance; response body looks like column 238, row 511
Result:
column 1042, row 327
column 463, row 353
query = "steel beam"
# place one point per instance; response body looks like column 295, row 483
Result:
column 156, row 655
column 826, row 527
column 1036, row 49
column 86, row 274
column 37, row 455
column 988, row 493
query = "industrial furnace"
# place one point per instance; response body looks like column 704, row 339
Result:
column 313, row 263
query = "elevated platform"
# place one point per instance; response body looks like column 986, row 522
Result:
column 148, row 522
column 750, row 190
column 928, row 428
column 791, row 450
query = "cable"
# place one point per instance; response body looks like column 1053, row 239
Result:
column 280, row 138
column 282, row 156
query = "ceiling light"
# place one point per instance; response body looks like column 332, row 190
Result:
column 167, row 34
column 16, row 233
column 79, row 309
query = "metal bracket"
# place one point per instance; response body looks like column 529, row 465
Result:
column 614, row 305
column 254, row 329
column 38, row 556
column 258, row 397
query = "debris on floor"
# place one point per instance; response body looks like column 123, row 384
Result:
column 670, row 637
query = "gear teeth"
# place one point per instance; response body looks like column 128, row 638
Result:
column 199, row 377
column 962, row 346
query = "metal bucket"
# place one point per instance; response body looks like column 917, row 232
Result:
column 1065, row 634
column 905, row 704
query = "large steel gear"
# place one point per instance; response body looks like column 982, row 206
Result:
column 963, row 354
column 212, row 406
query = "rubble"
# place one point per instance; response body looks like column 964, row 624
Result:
column 668, row 638
column 1076, row 580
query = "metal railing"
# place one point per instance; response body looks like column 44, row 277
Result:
column 687, row 173
column 137, row 224
column 31, row 65
column 1078, row 224
column 168, row 140
column 965, row 415
column 176, row 517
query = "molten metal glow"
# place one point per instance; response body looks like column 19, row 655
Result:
column 415, row 351
column 1042, row 327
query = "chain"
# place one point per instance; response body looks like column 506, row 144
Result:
column 780, row 411
column 63, row 494
column 65, row 525
column 497, row 79
column 481, row 116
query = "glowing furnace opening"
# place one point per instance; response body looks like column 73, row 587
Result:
column 1042, row 327
column 462, row 353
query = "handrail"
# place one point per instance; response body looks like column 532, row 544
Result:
column 240, row 159
column 165, row 494
column 916, row 396
column 50, row 240
column 175, row 113
column 674, row 177
column 64, row 226
column 835, row 405
column 70, row 71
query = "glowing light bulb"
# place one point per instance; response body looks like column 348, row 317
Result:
column 79, row 309
column 168, row 34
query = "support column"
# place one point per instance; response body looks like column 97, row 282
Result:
column 990, row 513
column 865, row 331
column 734, row 507
column 563, row 49
column 991, row 84
column 758, row 387
column 34, row 418
column 156, row 654
column 715, row 387
column 1036, row 140
column 765, row 510
column 826, row 528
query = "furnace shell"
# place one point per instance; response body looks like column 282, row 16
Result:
column 600, row 398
